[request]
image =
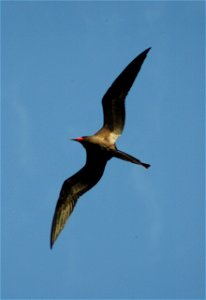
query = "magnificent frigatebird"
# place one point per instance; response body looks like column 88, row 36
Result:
column 100, row 147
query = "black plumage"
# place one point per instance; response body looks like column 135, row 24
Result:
column 100, row 147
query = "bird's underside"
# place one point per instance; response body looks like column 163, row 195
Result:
column 100, row 147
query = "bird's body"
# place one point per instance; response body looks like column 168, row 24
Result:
column 100, row 147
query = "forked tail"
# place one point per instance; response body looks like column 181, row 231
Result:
column 132, row 159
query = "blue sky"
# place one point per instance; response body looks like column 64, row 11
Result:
column 139, row 233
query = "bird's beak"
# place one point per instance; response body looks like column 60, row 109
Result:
column 77, row 139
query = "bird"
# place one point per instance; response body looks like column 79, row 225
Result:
column 100, row 147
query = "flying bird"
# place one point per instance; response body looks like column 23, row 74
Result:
column 100, row 147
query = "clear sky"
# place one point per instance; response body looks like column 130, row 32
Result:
column 139, row 233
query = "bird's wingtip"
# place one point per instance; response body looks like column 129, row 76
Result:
column 147, row 50
column 52, row 240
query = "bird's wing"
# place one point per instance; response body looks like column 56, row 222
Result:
column 113, row 101
column 73, row 188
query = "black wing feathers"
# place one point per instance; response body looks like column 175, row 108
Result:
column 113, row 101
column 73, row 188
column 113, row 104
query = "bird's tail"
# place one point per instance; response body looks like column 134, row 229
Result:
column 127, row 157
